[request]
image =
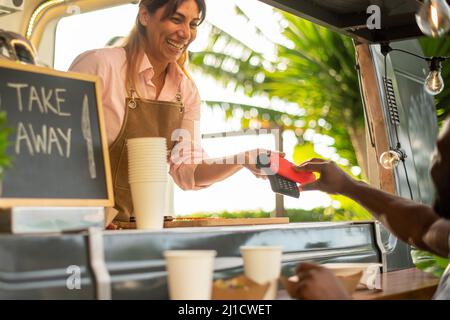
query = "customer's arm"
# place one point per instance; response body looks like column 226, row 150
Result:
column 412, row 222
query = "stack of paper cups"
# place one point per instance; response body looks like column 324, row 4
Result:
column 147, row 175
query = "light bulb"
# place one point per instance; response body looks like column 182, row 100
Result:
column 434, row 84
column 390, row 159
column 433, row 18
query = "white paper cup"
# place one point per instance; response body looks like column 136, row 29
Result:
column 144, row 180
column 136, row 156
column 154, row 149
column 151, row 175
column 147, row 163
column 143, row 168
column 149, row 151
column 262, row 264
column 147, row 146
column 141, row 158
column 149, row 204
column 147, row 140
column 136, row 171
column 147, row 178
column 190, row 273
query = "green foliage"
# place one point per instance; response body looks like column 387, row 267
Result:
column 349, row 209
column 5, row 160
column 295, row 215
column 316, row 72
column 267, row 118
column 440, row 47
column 429, row 262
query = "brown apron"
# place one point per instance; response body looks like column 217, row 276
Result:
column 143, row 118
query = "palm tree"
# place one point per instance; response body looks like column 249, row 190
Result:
column 440, row 47
column 314, row 69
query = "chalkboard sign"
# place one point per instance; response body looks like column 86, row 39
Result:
column 58, row 145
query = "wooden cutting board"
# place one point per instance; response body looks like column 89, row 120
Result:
column 210, row 222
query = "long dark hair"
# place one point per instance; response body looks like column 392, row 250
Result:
column 135, row 42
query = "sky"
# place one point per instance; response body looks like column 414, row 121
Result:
column 242, row 191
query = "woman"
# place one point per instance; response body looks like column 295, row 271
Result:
column 146, row 75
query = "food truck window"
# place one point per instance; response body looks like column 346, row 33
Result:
column 242, row 192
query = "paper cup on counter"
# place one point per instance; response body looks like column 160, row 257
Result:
column 262, row 264
column 149, row 204
column 147, row 141
column 147, row 176
column 190, row 273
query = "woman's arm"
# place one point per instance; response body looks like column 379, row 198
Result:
column 207, row 174
column 215, row 170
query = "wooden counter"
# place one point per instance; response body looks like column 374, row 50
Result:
column 210, row 222
column 407, row 284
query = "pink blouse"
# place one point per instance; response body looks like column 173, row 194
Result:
column 110, row 65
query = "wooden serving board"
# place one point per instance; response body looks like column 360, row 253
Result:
column 210, row 222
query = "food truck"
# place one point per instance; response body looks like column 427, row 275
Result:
column 39, row 247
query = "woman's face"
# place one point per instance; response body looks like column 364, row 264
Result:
column 168, row 38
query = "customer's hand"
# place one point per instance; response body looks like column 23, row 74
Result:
column 318, row 283
column 251, row 160
column 332, row 179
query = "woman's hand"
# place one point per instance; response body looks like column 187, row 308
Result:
column 251, row 160
column 332, row 179
column 318, row 283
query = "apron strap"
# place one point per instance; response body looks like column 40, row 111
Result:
column 132, row 102
column 133, row 94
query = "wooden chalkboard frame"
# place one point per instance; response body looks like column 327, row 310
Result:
column 64, row 202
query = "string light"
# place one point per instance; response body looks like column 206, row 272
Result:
column 392, row 158
column 434, row 84
column 433, row 18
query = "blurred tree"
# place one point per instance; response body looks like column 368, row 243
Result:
column 313, row 68
column 440, row 47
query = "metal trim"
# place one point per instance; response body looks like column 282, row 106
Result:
column 97, row 263
column 380, row 245
column 288, row 257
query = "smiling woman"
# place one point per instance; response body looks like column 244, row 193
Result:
column 148, row 93
column 166, row 28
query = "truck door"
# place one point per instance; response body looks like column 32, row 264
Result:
column 417, row 128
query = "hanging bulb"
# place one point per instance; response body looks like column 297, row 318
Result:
column 433, row 18
column 390, row 159
column 434, row 84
